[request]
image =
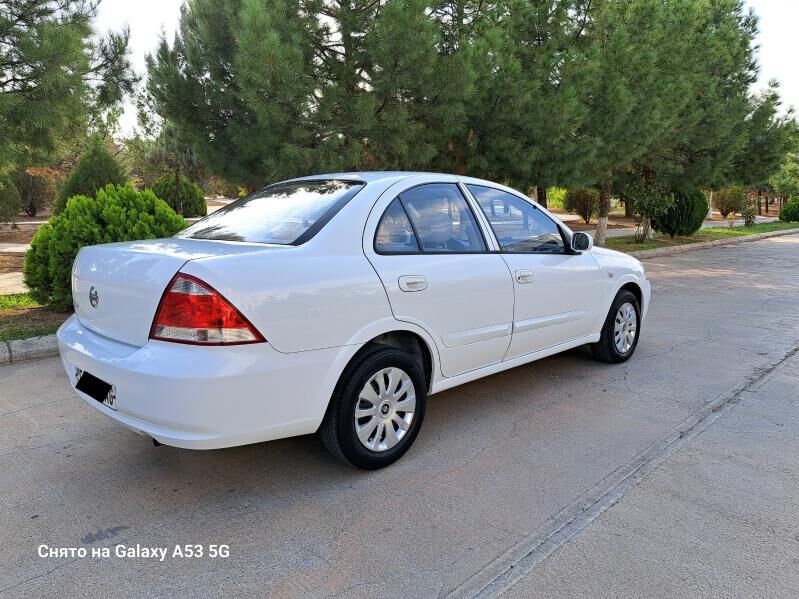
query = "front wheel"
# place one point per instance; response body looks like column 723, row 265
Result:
column 377, row 409
column 621, row 329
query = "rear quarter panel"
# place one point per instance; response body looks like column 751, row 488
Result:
column 321, row 294
column 301, row 301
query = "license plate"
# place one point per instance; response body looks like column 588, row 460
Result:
column 96, row 388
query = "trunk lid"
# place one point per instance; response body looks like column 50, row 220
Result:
column 116, row 287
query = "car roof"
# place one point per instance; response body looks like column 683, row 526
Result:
column 370, row 176
column 389, row 177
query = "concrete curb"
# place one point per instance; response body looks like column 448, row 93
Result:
column 21, row 350
column 690, row 247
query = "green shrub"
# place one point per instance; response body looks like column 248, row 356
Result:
column 556, row 197
column 10, row 201
column 790, row 211
column 729, row 199
column 749, row 212
column 95, row 169
column 582, row 201
column 117, row 214
column 37, row 190
column 182, row 195
column 685, row 216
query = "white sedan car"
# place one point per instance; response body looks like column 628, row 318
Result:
column 338, row 303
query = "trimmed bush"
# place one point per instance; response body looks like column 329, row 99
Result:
column 729, row 199
column 37, row 189
column 10, row 201
column 790, row 212
column 685, row 216
column 116, row 214
column 182, row 195
column 95, row 169
column 583, row 202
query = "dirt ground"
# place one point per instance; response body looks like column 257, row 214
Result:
column 20, row 234
column 21, row 323
column 10, row 263
column 612, row 224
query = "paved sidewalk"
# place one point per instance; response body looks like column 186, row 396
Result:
column 14, row 248
column 12, row 283
column 718, row 518
column 708, row 224
column 739, row 222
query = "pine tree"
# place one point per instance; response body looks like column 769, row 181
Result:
column 53, row 70
column 714, row 122
column 612, row 94
column 95, row 169
column 529, row 106
column 641, row 48
column 297, row 86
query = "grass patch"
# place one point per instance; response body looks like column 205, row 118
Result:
column 17, row 301
column 21, row 317
column 628, row 244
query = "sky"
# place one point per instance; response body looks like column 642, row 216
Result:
column 778, row 54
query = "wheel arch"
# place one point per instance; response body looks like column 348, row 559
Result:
column 408, row 341
column 635, row 289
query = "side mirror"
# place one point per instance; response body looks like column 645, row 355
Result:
column 582, row 242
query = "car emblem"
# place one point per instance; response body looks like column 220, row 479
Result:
column 94, row 297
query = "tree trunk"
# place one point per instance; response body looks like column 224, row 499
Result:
column 650, row 232
column 628, row 208
column 541, row 194
column 710, row 206
column 760, row 193
column 178, row 198
column 759, row 208
column 604, row 209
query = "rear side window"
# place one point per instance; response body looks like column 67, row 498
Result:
column 286, row 213
column 394, row 233
column 442, row 220
column 518, row 225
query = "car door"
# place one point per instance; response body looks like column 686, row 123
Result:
column 557, row 292
column 429, row 251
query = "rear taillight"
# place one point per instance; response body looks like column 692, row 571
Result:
column 192, row 311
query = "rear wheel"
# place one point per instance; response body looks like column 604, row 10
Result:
column 620, row 331
column 376, row 410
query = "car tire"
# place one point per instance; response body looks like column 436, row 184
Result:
column 616, row 344
column 378, row 384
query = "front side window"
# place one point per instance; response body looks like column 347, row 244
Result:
column 442, row 220
column 285, row 214
column 518, row 225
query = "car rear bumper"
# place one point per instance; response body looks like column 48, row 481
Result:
column 203, row 397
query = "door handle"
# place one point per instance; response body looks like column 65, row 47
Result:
column 525, row 276
column 412, row 283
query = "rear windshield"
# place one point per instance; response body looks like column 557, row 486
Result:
column 285, row 213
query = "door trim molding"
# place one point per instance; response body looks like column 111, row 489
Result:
column 521, row 326
column 461, row 338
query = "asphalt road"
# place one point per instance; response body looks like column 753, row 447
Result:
column 562, row 476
